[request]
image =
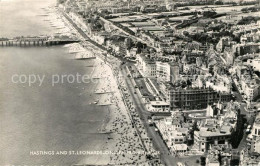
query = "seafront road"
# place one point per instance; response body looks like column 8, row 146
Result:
column 165, row 155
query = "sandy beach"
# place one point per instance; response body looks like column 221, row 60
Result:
column 122, row 141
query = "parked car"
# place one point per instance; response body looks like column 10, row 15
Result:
column 248, row 131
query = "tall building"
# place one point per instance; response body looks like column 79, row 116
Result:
column 163, row 71
column 146, row 66
column 188, row 98
column 167, row 71
column 191, row 98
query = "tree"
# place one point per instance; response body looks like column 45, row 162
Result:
column 186, row 33
column 60, row 1
column 203, row 160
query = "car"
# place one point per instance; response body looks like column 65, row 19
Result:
column 249, row 127
column 248, row 131
column 249, row 139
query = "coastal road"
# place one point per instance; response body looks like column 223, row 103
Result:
column 82, row 33
column 165, row 155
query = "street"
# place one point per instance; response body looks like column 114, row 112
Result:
column 166, row 157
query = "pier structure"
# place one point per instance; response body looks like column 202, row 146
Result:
column 37, row 41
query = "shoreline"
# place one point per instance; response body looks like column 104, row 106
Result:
column 117, row 120
column 117, row 124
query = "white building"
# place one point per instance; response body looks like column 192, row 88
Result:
column 173, row 133
column 180, row 148
column 163, row 71
column 159, row 106
column 255, row 147
column 219, row 83
column 255, row 63
column 131, row 53
column 146, row 66
column 250, row 86
column 256, row 127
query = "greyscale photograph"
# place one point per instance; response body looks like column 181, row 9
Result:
column 130, row 82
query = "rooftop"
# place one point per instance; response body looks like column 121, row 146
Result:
column 142, row 24
column 152, row 28
column 159, row 103
column 180, row 147
column 257, row 119
column 204, row 132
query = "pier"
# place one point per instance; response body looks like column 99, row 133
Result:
column 37, row 41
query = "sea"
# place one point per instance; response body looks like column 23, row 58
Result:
column 40, row 124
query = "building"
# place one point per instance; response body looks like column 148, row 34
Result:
column 247, row 48
column 250, row 86
column 174, row 132
column 255, row 63
column 256, row 128
column 246, row 159
column 191, row 98
column 163, row 71
column 219, row 155
column 132, row 52
column 219, row 83
column 167, row 71
column 207, row 137
column 146, row 66
column 216, row 132
column 228, row 56
column 159, row 106
column 180, row 148
column 255, row 146
column 223, row 42
column 154, row 2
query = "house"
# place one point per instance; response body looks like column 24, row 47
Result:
column 255, row 145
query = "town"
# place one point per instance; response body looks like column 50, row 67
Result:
column 192, row 73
